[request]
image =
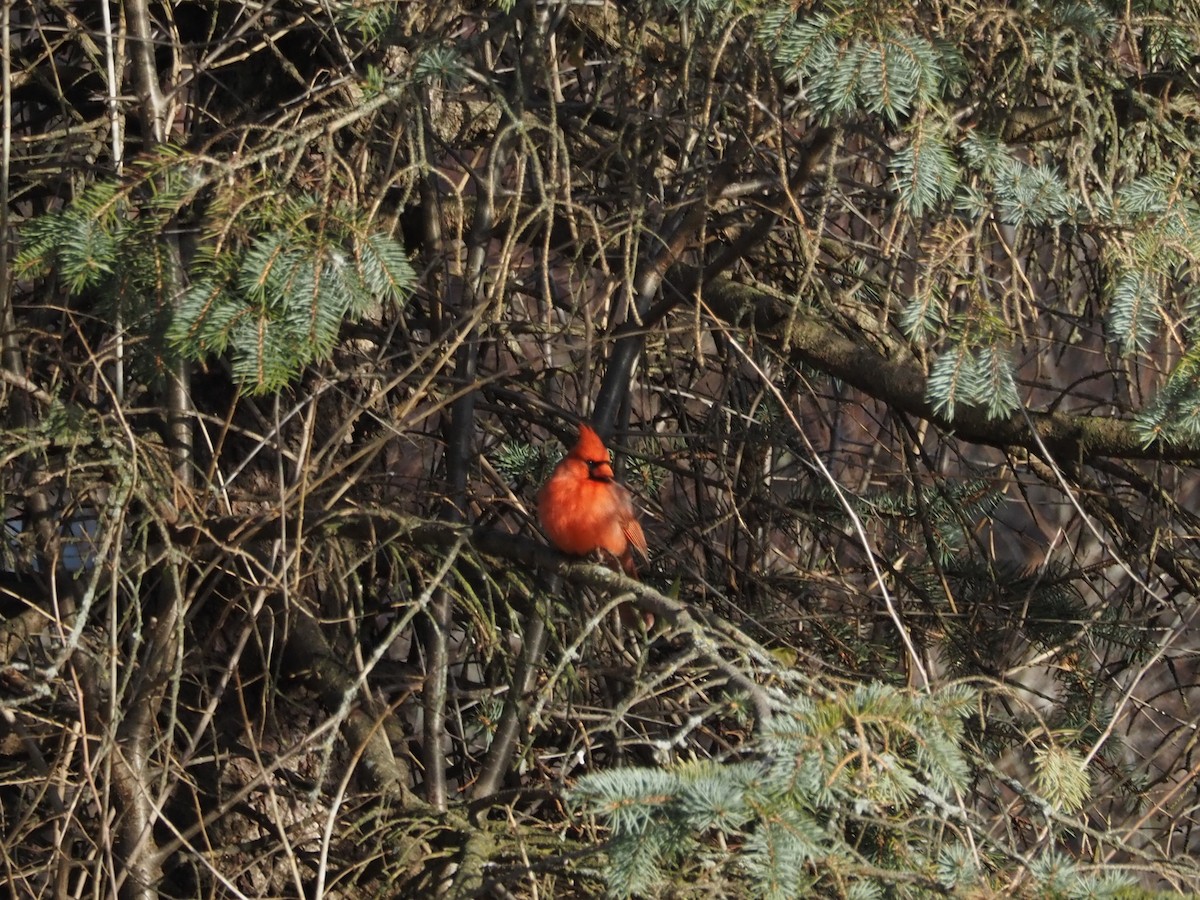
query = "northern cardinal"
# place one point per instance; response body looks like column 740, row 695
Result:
column 583, row 509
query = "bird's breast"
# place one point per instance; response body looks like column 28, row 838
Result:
column 582, row 515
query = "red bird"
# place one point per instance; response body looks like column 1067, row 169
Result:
column 583, row 509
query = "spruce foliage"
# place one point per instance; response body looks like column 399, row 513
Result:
column 846, row 795
column 271, row 281
column 849, row 68
column 276, row 299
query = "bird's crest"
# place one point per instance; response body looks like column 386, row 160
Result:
column 589, row 447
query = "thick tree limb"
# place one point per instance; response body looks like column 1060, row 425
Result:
column 811, row 339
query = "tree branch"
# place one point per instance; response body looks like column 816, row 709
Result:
column 811, row 339
column 506, row 739
column 383, row 526
column 679, row 235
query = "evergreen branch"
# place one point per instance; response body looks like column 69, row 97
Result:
column 864, row 757
column 814, row 342
column 925, row 171
column 1134, row 313
column 950, row 384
